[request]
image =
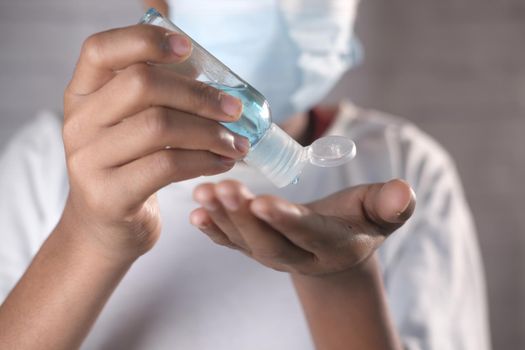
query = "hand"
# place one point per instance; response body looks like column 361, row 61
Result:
column 131, row 128
column 325, row 237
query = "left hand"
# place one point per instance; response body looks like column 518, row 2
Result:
column 325, row 237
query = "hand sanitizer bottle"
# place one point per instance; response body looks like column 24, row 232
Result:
column 272, row 151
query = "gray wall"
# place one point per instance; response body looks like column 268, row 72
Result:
column 455, row 68
column 39, row 45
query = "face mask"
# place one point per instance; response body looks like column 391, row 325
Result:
column 292, row 51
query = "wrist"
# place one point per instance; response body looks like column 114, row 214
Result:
column 87, row 240
column 367, row 270
column 348, row 307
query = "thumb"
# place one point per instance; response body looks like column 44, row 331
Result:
column 387, row 205
column 390, row 203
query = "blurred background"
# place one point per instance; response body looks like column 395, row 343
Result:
column 454, row 68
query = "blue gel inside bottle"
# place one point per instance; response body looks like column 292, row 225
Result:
column 256, row 116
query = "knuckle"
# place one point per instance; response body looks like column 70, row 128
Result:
column 166, row 163
column 212, row 139
column 152, row 39
column 70, row 129
column 92, row 49
column 141, row 79
column 157, row 122
column 222, row 138
column 217, row 131
column 143, row 41
column 207, row 96
column 76, row 162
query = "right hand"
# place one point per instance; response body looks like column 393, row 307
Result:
column 131, row 128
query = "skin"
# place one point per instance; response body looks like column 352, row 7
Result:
column 111, row 217
column 327, row 247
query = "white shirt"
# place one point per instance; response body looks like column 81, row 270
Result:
column 188, row 293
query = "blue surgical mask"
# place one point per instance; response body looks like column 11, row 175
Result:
column 292, row 51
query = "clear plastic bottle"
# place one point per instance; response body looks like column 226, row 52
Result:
column 272, row 151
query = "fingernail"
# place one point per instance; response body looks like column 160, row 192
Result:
column 405, row 213
column 241, row 144
column 230, row 105
column 180, row 45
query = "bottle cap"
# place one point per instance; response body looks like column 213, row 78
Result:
column 282, row 159
column 331, row 151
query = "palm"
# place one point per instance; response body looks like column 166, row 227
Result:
column 323, row 237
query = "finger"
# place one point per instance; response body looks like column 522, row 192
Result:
column 306, row 229
column 205, row 195
column 200, row 219
column 141, row 86
column 159, row 5
column 266, row 244
column 158, row 128
column 334, row 242
column 145, row 176
column 105, row 53
column 393, row 203
column 384, row 205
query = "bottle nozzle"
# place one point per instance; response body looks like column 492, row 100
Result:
column 281, row 159
column 330, row 151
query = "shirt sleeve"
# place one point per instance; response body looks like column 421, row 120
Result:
column 432, row 266
column 33, row 188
